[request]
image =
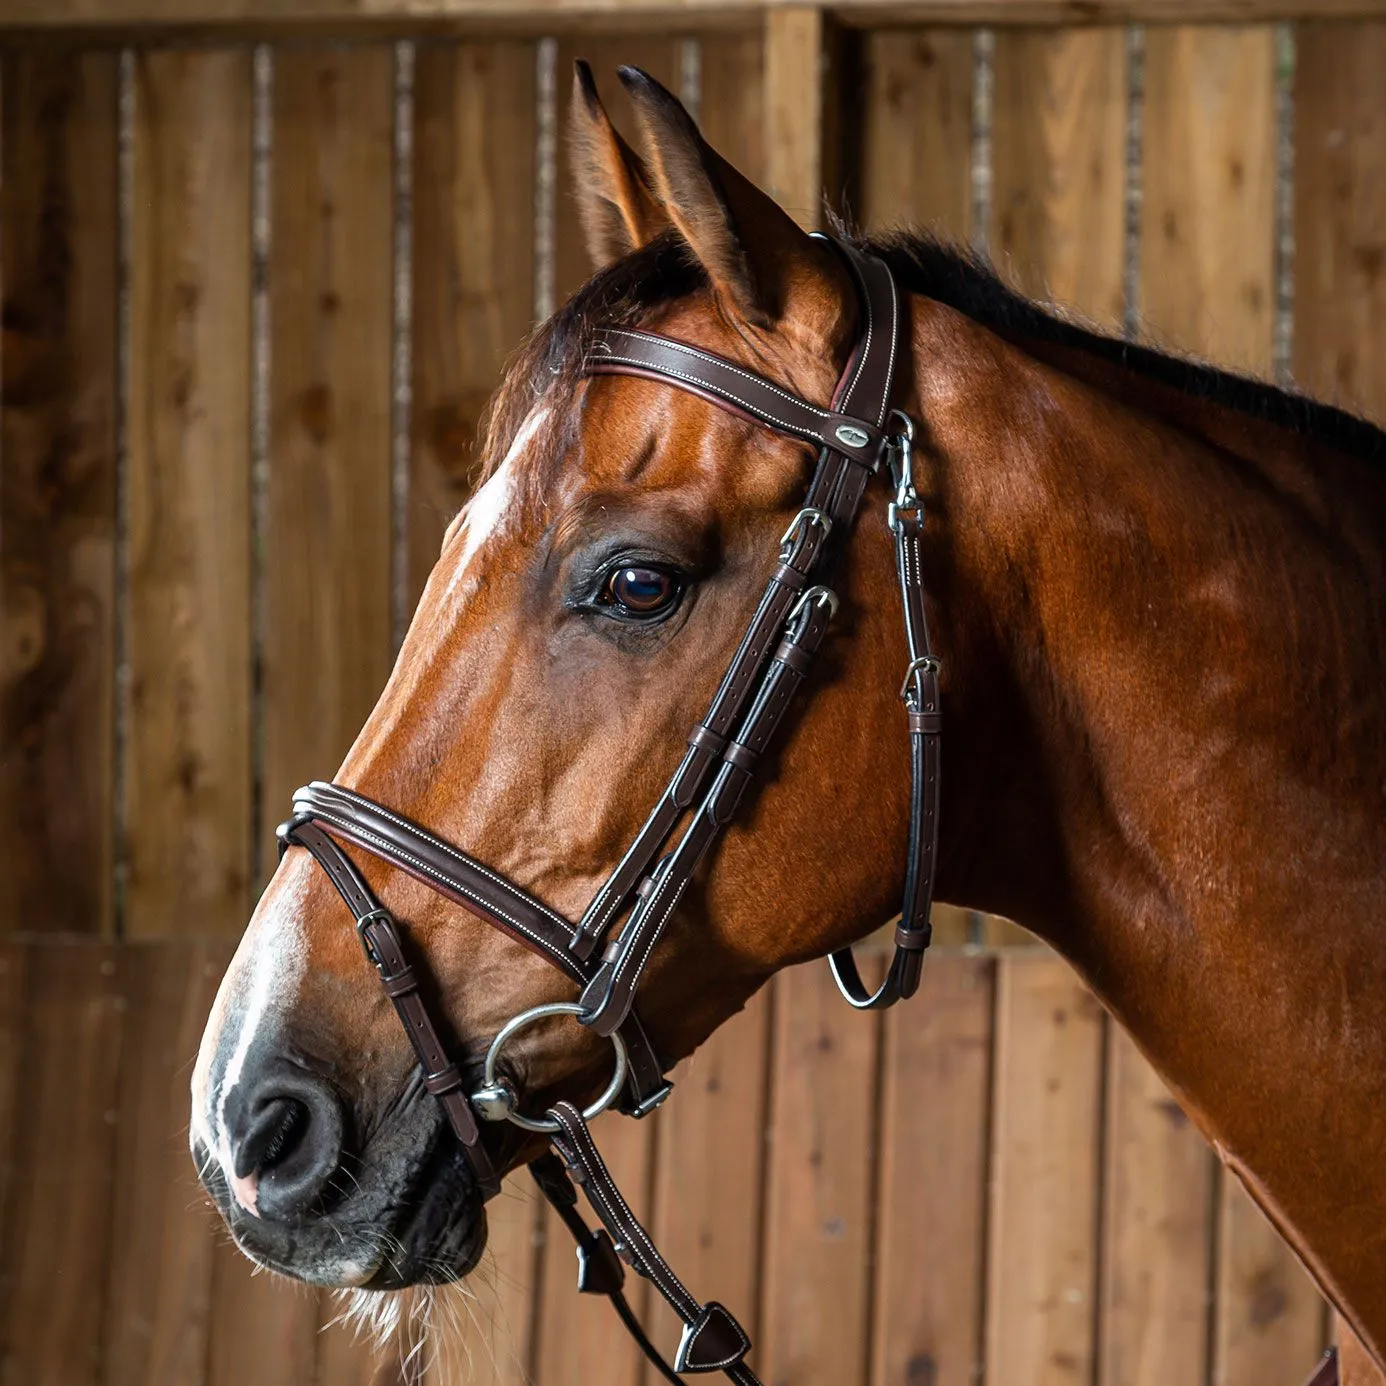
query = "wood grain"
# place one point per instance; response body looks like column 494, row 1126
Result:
column 159, row 1275
column 58, row 1232
column 1158, row 1204
column 327, row 565
column 1046, row 1173
column 1058, row 156
column 14, row 957
column 263, row 1328
column 659, row 56
column 580, row 1339
column 710, row 1164
column 58, row 238
column 238, row 17
column 188, row 774
column 473, row 266
column 932, row 1195
column 731, row 113
column 1340, row 214
column 813, row 1320
column 1269, row 1315
column 916, row 130
column 1207, row 273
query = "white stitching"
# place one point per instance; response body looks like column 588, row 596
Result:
column 438, row 842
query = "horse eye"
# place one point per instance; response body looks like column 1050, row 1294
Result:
column 641, row 591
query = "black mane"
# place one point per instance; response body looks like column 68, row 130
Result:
column 968, row 284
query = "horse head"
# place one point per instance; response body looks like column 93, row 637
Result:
column 579, row 618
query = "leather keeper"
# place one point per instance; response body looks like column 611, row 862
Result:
column 705, row 739
column 743, row 757
column 791, row 578
column 794, row 657
column 926, row 723
column 401, row 984
column 445, row 1080
column 913, row 940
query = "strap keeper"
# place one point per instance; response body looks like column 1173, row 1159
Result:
column 791, row 578
column 794, row 657
column 926, row 723
column 445, row 1080
column 914, row 940
column 705, row 739
column 402, row 983
column 743, row 757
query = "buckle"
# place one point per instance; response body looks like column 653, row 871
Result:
column 824, row 596
column 370, row 916
column 808, row 515
column 924, row 664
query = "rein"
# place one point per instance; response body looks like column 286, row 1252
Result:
column 858, row 437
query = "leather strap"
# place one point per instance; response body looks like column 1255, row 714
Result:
column 379, row 936
column 1326, row 1373
column 712, row 1339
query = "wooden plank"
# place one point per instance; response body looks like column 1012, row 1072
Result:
column 237, row 17
column 803, row 128
column 159, row 1278
column 1058, row 166
column 1340, row 212
column 1269, row 1315
column 328, row 644
column 580, row 1339
column 1156, row 1230
column 473, row 265
column 13, row 993
column 732, row 109
column 932, row 1195
column 813, row 1322
column 916, row 145
column 263, row 1328
column 188, row 775
column 58, row 1238
column 659, row 56
column 1042, row 1256
column 709, row 1166
column 58, row 239
column 1207, row 274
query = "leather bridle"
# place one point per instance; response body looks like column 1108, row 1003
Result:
column 858, row 436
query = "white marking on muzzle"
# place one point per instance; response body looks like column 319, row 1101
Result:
column 276, row 946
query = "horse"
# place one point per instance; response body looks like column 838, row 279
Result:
column 1157, row 596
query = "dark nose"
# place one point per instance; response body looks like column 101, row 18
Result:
column 285, row 1126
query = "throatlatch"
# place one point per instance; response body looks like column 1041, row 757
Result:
column 857, row 436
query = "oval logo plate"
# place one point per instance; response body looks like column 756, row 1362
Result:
column 852, row 436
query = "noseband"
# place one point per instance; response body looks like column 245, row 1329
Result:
column 857, row 437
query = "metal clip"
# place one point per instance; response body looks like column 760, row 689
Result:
column 900, row 452
column 824, row 596
column 811, row 515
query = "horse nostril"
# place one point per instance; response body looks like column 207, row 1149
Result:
column 286, row 1134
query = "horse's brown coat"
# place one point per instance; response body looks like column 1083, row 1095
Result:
column 1161, row 629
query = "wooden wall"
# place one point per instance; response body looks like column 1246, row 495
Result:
column 253, row 301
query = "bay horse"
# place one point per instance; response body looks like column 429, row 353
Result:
column 1158, row 599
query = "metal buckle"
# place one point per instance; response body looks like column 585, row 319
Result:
column 370, row 916
column 824, row 596
column 811, row 514
column 494, row 1100
column 926, row 664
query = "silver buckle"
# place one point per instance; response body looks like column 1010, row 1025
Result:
column 808, row 514
column 925, row 664
column 824, row 596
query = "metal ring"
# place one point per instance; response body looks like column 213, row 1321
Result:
column 824, row 596
column 546, row 1125
column 906, row 428
column 811, row 513
column 926, row 664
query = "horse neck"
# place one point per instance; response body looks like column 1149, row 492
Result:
column 1162, row 627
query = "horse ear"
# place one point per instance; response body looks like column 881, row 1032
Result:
column 754, row 252
column 619, row 213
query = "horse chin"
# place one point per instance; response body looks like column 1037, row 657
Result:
column 418, row 1219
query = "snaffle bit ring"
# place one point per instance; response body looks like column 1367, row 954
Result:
column 495, row 1100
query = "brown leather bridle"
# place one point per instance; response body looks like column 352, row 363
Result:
column 857, row 437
